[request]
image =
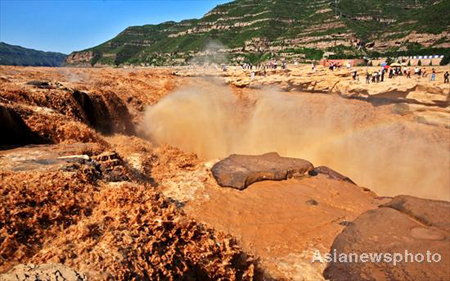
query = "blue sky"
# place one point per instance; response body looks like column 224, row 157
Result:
column 66, row 26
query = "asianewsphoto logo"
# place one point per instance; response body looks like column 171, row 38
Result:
column 393, row 258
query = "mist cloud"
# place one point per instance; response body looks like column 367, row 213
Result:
column 391, row 156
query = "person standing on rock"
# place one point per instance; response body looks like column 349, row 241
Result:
column 446, row 77
column 408, row 72
column 433, row 74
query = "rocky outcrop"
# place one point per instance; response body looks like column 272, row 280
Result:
column 240, row 171
column 284, row 222
column 80, row 58
column 49, row 271
column 414, row 232
column 426, row 100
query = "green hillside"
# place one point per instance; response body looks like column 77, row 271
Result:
column 16, row 55
column 297, row 29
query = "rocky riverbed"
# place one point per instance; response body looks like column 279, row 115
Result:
column 126, row 173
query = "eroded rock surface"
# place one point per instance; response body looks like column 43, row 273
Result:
column 47, row 272
column 240, row 171
column 405, row 225
column 284, row 222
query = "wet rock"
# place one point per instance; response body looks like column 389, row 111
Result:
column 90, row 169
column 429, row 212
column 41, row 84
column 312, row 202
column 49, row 271
column 415, row 230
column 112, row 166
column 277, row 213
column 240, row 171
column 107, row 166
column 332, row 174
column 345, row 223
column 44, row 157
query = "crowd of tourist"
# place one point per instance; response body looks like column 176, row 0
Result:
column 396, row 71
column 272, row 64
column 377, row 76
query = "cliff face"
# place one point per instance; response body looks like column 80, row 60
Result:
column 253, row 30
column 80, row 58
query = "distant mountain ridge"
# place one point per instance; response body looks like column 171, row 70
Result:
column 17, row 55
column 254, row 30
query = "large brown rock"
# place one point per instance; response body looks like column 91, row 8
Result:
column 240, row 171
column 407, row 227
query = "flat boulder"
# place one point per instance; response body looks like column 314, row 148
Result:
column 240, row 171
column 410, row 236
